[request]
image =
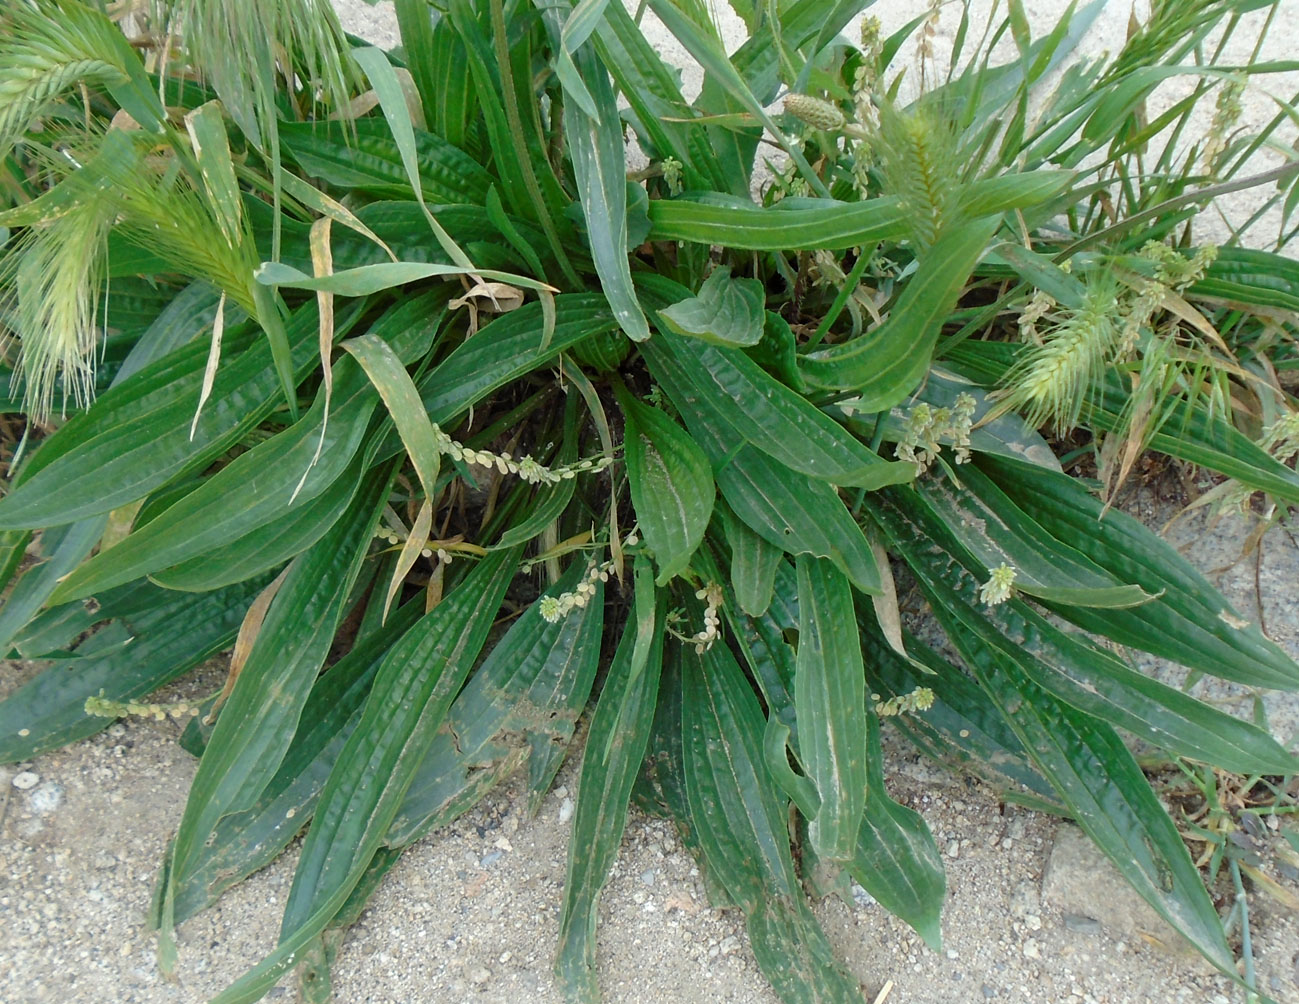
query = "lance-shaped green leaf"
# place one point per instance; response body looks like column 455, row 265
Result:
column 830, row 702
column 1070, row 667
column 63, row 549
column 797, row 514
column 166, row 637
column 725, row 311
column 509, row 347
column 895, row 858
column 269, row 545
column 138, row 435
column 596, row 146
column 1103, row 788
column 251, row 839
column 733, row 392
column 207, row 135
column 361, row 155
column 739, row 224
column 885, row 365
column 257, row 723
column 408, row 703
column 620, row 730
column 523, row 701
column 754, row 561
column 671, row 484
column 1190, row 621
column 963, row 729
column 999, row 534
column 742, row 830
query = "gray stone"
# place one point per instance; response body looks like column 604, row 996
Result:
column 1080, row 924
column 25, row 780
column 45, row 799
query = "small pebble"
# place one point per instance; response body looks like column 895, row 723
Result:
column 491, row 857
column 1080, row 924
column 479, row 975
column 1031, row 950
column 953, row 848
column 1033, row 922
column 988, row 991
column 25, row 780
column 647, row 876
column 729, row 944
column 565, row 810
column 46, row 798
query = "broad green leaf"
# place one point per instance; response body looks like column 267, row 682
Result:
column 270, row 544
column 522, row 702
column 250, row 839
column 731, row 392
column 412, row 692
column 725, row 311
column 830, row 702
column 621, row 726
column 257, row 487
column 797, row 514
column 137, row 437
column 885, row 365
column 963, row 729
column 511, row 346
column 1190, row 621
column 740, row 225
column 256, row 725
column 596, row 146
column 754, row 561
column 167, row 636
column 1105, row 791
column 671, row 484
column 1068, row 666
column 742, row 829
column 63, row 549
column 896, row 859
column 408, row 702
column 1257, row 279
column 995, row 532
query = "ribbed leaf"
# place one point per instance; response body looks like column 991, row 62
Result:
column 797, row 514
column 725, row 311
column 371, row 162
column 885, row 365
column 671, row 484
column 1070, row 667
column 509, row 347
column 596, row 146
column 409, row 700
column 250, row 839
column 733, row 392
column 742, row 829
column 256, row 725
column 830, row 702
column 753, row 565
column 137, row 436
column 523, row 701
column 1190, row 621
column 621, row 726
column 166, row 637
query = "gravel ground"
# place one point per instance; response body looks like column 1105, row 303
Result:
column 471, row 912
